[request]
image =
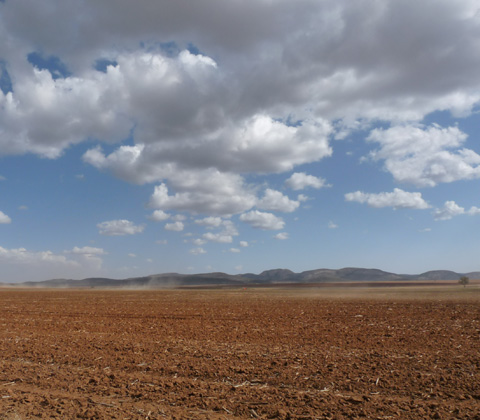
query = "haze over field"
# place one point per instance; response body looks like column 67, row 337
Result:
column 349, row 277
column 158, row 136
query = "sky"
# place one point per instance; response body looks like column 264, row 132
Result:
column 238, row 136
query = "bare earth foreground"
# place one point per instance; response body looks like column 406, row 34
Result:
column 408, row 353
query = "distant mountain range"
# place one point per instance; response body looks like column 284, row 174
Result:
column 269, row 277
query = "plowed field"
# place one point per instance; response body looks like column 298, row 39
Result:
column 238, row 354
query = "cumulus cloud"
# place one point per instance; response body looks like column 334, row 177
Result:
column 175, row 226
column 451, row 209
column 300, row 181
column 87, row 251
column 258, row 144
column 243, row 244
column 44, row 116
column 23, row 256
column 159, row 216
column 425, row 156
column 474, row 211
column 282, row 236
column 261, row 100
column 209, row 221
column 21, row 264
column 88, row 256
column 202, row 173
column 227, row 230
column 190, row 113
column 119, row 228
column 210, row 192
column 4, row 219
column 262, row 220
column 218, row 237
column 198, row 251
column 276, row 201
column 397, row 199
column 300, row 61
column 234, row 250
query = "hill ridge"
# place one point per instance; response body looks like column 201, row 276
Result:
column 272, row 276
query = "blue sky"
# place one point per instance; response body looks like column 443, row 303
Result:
column 238, row 136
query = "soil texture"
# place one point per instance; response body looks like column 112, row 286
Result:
column 239, row 354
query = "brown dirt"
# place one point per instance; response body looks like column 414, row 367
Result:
column 239, row 354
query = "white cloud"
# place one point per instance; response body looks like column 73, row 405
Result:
column 132, row 255
column 23, row 256
column 218, row 237
column 199, row 241
column 175, row 226
column 276, row 201
column 209, row 221
column 243, row 244
column 209, row 192
column 159, row 216
column 256, row 144
column 22, row 207
column 449, row 210
column 425, row 156
column 88, row 256
column 119, row 228
column 88, row 251
column 228, row 146
column 4, row 219
column 300, row 181
column 307, row 61
column 224, row 235
column 397, row 199
column 234, row 250
column 263, row 98
column 282, row 236
column 303, row 198
column 161, row 242
column 262, row 220
column 229, row 228
column 474, row 211
column 198, row 251
column 332, row 225
column 44, row 116
column 20, row 264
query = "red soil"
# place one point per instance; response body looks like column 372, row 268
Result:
column 237, row 354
